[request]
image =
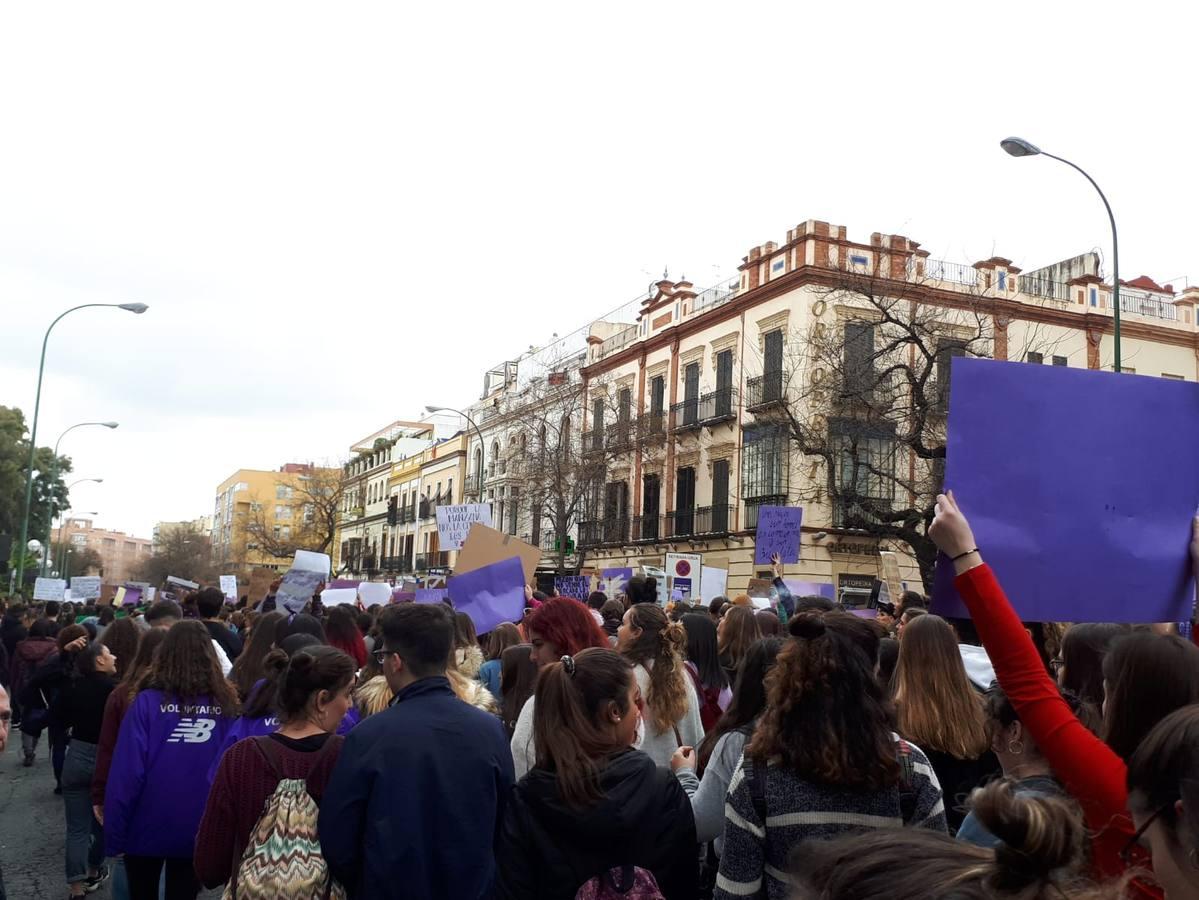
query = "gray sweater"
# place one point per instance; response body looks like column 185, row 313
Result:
column 708, row 795
column 756, row 852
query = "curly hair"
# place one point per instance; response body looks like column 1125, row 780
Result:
column 826, row 715
column 659, row 649
column 186, row 668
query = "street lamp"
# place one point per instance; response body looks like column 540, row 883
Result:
column 1015, row 146
column 482, row 445
column 54, row 470
column 135, row 308
column 50, row 526
column 64, row 551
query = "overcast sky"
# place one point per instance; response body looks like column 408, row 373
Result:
column 341, row 212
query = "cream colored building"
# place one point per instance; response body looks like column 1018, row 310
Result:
column 120, row 554
column 711, row 377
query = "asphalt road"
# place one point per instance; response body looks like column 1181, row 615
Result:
column 32, row 828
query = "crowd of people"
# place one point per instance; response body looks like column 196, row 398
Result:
column 613, row 747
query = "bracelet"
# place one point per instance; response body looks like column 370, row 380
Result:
column 963, row 555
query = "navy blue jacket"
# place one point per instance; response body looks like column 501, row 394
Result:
column 414, row 805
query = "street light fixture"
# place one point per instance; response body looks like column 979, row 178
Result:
column 1018, row 147
column 50, row 525
column 64, row 551
column 482, row 444
column 136, row 309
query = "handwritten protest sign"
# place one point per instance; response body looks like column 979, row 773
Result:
column 614, row 582
column 229, row 587
column 86, row 587
column 49, row 588
column 453, row 522
column 1071, row 534
column 490, row 595
column 307, row 571
column 372, row 593
column 577, row 586
column 778, row 532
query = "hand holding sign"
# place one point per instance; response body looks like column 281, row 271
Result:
column 950, row 531
column 778, row 534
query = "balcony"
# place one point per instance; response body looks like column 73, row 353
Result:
column 398, row 565
column 591, row 533
column 717, row 407
column 651, row 427
column 685, row 416
column 764, row 392
column 679, row 523
column 703, row 521
column 619, row 437
column 753, row 504
column 427, row 561
column 406, row 515
column 474, row 483
column 646, row 529
column 597, row 532
column 593, row 441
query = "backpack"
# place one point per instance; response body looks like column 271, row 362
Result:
column 907, row 790
column 283, row 855
column 622, row 883
column 709, row 701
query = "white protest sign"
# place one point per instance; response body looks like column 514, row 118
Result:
column 49, row 588
column 715, row 583
column 453, row 522
column 659, row 575
column 86, row 587
column 339, row 596
column 66, row 595
column 688, row 566
column 307, row 571
column 229, row 586
column 373, row 593
column 149, row 594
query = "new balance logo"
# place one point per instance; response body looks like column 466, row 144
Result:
column 192, row 731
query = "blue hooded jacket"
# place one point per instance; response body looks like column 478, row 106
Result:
column 414, row 804
column 156, row 788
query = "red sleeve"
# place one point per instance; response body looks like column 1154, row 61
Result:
column 114, row 712
column 215, row 852
column 1090, row 770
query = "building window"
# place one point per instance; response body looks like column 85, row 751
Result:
column 255, row 507
column 1035, row 358
column 764, row 463
column 282, row 512
column 859, row 359
column 946, row 351
column 1171, row 377
column 1003, row 281
column 277, row 531
column 1094, row 297
column 282, row 492
column 857, row 260
column 657, row 395
column 864, row 457
column 1060, row 361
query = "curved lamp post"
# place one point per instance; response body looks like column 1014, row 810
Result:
column 50, row 526
column 482, row 444
column 1015, row 146
column 136, row 309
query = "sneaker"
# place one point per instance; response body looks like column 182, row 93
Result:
column 94, row 882
column 28, row 761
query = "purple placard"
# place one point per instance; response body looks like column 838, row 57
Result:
column 778, row 532
column 623, row 574
column 864, row 613
column 810, row 589
column 1080, row 487
column 492, row 594
column 343, row 583
column 576, row 586
column 133, row 596
column 429, row 595
column 403, row 596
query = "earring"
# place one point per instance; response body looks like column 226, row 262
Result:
column 1193, row 856
column 1016, row 748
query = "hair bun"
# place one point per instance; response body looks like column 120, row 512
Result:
column 302, row 662
column 808, row 626
column 275, row 662
column 1038, row 835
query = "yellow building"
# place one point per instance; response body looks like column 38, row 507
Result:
column 257, row 512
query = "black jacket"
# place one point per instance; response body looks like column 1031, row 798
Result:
column 229, row 641
column 11, row 631
column 548, row 850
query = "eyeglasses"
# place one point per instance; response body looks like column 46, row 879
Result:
column 1134, row 842
column 381, row 655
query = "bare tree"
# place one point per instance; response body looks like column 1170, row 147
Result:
column 315, row 501
column 185, row 552
column 866, row 399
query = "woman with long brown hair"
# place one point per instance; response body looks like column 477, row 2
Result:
column 657, row 647
column 592, row 807
column 823, row 760
column 736, row 633
column 121, row 639
column 518, row 678
column 939, row 710
column 500, row 638
column 247, row 669
column 156, row 790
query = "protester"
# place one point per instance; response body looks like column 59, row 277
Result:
column 1022, row 762
column 165, row 613
column 786, row 600
column 719, row 755
column 941, row 712
column 210, row 602
column 1041, row 857
column 596, row 600
column 1148, row 676
column 299, row 624
column 1079, row 668
column 502, row 637
column 559, row 627
column 769, row 624
column 642, row 589
column 5, row 724
column 592, row 804
column 415, row 800
column 655, row 646
column 13, row 628
column 468, row 657
column 30, row 653
column 79, row 710
column 248, row 670
column 518, row 678
column 341, row 627
column 40, row 692
column 612, row 614
column 121, row 638
column 738, row 629
column 716, row 608
column 823, row 760
column 156, row 789
column 312, row 697
column 888, row 659
column 908, row 617
column 703, row 666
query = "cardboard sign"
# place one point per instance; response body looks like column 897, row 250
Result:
column 229, row 587
column 888, row 574
column 453, row 522
column 492, row 594
column 1072, row 534
column 577, row 586
column 760, row 588
column 49, row 588
column 374, row 593
column 778, row 532
column 715, row 583
column 86, row 587
column 484, row 546
column 260, row 584
column 687, row 566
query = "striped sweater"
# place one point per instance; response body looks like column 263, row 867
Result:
column 755, row 857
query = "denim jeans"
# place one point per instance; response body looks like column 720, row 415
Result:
column 85, row 837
